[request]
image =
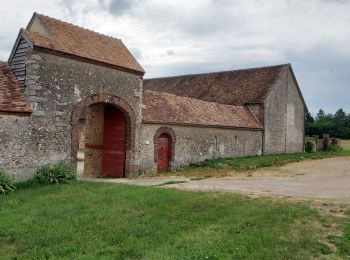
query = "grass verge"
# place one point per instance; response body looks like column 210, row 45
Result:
column 345, row 144
column 100, row 220
column 221, row 166
column 343, row 242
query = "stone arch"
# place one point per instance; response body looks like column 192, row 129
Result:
column 107, row 99
column 171, row 134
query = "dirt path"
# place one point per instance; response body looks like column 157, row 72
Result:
column 319, row 179
column 327, row 179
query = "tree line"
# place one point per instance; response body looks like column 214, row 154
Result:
column 337, row 124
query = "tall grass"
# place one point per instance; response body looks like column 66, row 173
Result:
column 6, row 183
column 52, row 174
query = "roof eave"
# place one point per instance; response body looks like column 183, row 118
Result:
column 16, row 112
column 31, row 21
column 87, row 60
column 142, row 69
column 298, row 88
column 253, row 103
column 202, row 125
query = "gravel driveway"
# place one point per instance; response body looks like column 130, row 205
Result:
column 318, row 179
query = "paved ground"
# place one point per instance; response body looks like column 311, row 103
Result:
column 327, row 179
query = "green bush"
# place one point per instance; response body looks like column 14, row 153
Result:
column 309, row 147
column 58, row 173
column 6, row 183
column 334, row 148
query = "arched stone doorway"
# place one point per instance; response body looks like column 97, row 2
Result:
column 164, row 148
column 109, row 135
column 163, row 153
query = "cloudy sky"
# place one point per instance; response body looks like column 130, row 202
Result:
column 171, row 37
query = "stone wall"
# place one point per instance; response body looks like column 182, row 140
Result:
column 93, row 139
column 20, row 137
column 59, row 90
column 54, row 86
column 195, row 144
column 28, row 142
column 284, row 117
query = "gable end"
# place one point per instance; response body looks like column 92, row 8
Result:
column 298, row 88
column 17, row 59
column 289, row 69
column 36, row 25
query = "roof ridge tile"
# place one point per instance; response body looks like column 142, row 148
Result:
column 221, row 72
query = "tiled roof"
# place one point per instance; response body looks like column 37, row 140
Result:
column 11, row 96
column 162, row 107
column 70, row 39
column 235, row 87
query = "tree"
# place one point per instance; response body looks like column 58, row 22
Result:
column 310, row 128
column 340, row 115
column 309, row 118
column 325, row 125
column 320, row 114
column 347, row 121
column 336, row 125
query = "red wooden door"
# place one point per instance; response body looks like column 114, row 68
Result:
column 113, row 155
column 163, row 153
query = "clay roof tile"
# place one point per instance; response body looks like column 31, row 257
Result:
column 163, row 107
column 74, row 40
column 11, row 95
column 236, row 87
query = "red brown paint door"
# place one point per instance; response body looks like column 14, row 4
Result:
column 113, row 155
column 163, row 153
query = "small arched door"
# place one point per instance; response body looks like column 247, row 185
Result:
column 163, row 153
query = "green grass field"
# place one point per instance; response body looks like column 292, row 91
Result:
column 109, row 221
column 345, row 144
column 225, row 166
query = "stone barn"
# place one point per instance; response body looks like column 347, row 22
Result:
column 68, row 94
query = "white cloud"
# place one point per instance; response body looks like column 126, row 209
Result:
column 171, row 37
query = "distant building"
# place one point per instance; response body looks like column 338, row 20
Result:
column 73, row 95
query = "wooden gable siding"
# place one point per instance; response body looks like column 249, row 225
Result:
column 18, row 61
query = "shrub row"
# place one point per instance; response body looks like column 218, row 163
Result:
column 48, row 174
